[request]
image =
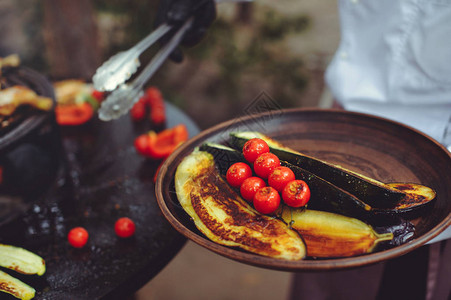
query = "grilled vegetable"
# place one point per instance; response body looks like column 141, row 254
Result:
column 324, row 195
column 15, row 287
column 326, row 234
column 225, row 218
column 13, row 97
column 332, row 235
column 378, row 195
column 416, row 195
column 21, row 260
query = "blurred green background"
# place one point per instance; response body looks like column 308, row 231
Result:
column 280, row 48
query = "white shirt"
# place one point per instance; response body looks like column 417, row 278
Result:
column 394, row 60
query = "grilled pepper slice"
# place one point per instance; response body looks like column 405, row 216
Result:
column 73, row 114
column 161, row 145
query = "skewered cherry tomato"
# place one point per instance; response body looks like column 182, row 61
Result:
column 266, row 200
column 78, row 237
column 98, row 95
column 138, row 110
column 296, row 193
column 237, row 173
column 250, row 186
column 265, row 164
column 157, row 107
column 253, row 148
column 279, row 177
column 124, row 227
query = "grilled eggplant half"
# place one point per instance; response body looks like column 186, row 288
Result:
column 382, row 197
column 225, row 218
column 325, row 196
column 332, row 235
column 375, row 193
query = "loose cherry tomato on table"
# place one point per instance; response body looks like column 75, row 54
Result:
column 296, row 193
column 237, row 173
column 266, row 200
column 279, row 177
column 253, row 148
column 78, row 237
column 250, row 186
column 265, row 164
column 124, row 227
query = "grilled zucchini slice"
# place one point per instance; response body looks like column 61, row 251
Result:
column 15, row 287
column 225, row 218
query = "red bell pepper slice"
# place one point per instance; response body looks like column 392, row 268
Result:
column 161, row 145
column 75, row 114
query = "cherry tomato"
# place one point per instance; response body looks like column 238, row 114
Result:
column 253, row 148
column 98, row 95
column 265, row 164
column 296, row 193
column 78, row 237
column 250, row 186
column 157, row 106
column 138, row 110
column 237, row 173
column 266, row 200
column 279, row 177
column 124, row 227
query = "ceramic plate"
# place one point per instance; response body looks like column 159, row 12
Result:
column 373, row 146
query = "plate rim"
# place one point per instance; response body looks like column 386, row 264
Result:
column 287, row 265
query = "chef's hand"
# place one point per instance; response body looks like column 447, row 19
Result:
column 176, row 12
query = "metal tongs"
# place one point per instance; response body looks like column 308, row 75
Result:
column 113, row 74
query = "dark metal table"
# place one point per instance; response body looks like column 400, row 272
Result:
column 104, row 179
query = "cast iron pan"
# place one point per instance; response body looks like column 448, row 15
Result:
column 376, row 147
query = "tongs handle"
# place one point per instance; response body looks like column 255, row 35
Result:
column 123, row 98
column 161, row 56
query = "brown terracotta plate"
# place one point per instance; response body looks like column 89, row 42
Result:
column 376, row 147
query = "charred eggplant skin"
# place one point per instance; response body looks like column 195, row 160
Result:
column 374, row 193
column 325, row 196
